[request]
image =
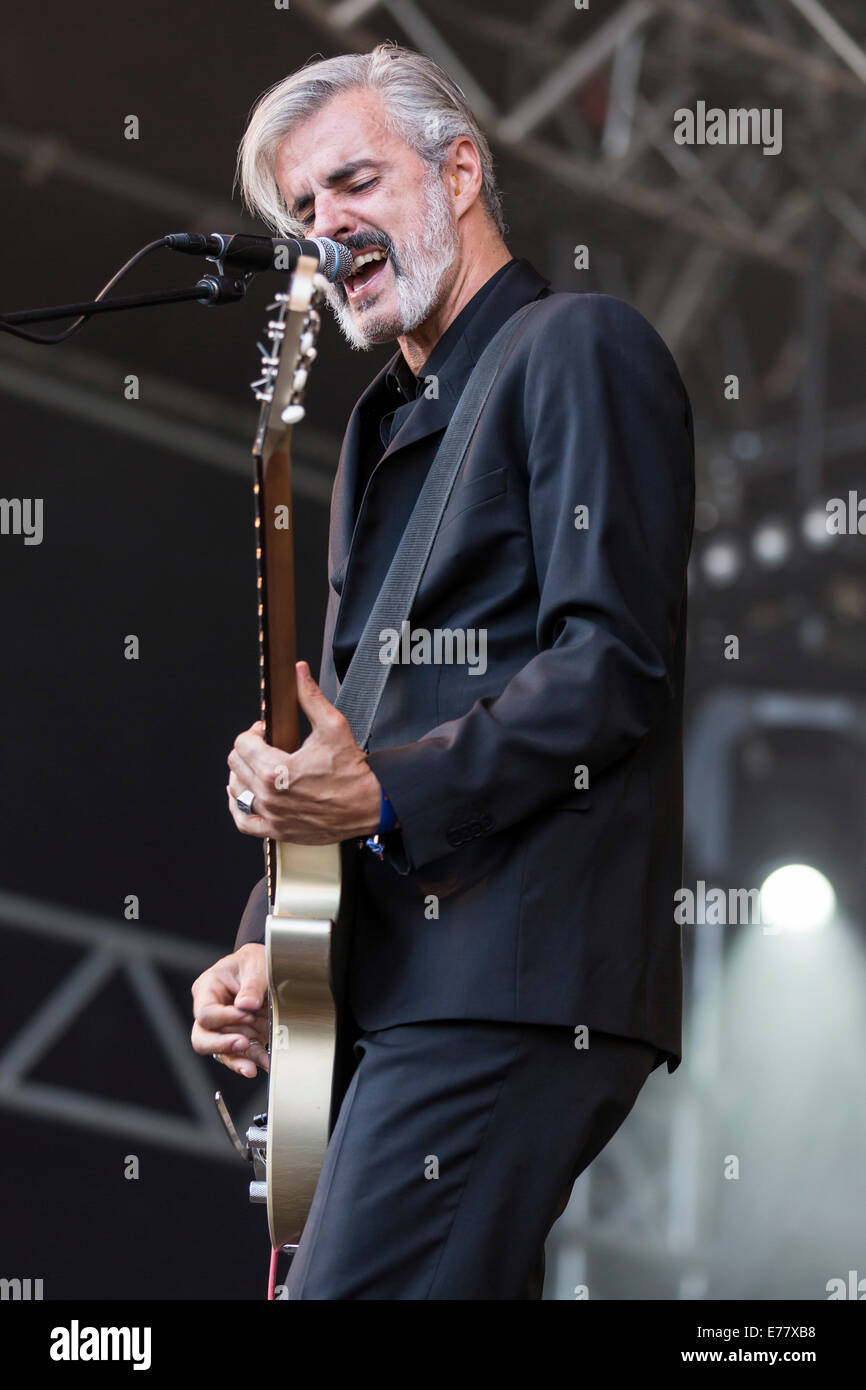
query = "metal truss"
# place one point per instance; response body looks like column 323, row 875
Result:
column 638, row 64
column 583, row 102
column 42, row 157
column 139, row 955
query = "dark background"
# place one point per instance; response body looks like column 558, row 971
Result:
column 113, row 771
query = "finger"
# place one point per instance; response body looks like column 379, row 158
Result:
column 244, row 766
column 229, row 1047
column 246, row 782
column 243, row 1066
column 241, row 1058
column 257, row 764
column 316, row 706
column 252, row 982
column 248, row 824
column 206, row 1042
column 288, row 827
column 226, row 1018
column 258, row 1053
column 216, row 985
column 234, row 1045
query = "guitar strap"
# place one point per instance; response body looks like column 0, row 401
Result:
column 362, row 689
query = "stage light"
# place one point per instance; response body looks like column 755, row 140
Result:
column 797, row 897
column 813, row 525
column 771, row 543
column 721, row 562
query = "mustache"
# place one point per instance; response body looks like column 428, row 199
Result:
column 363, row 241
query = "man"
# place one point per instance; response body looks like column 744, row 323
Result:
column 515, row 971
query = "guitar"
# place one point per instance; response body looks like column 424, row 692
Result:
column 287, row 1146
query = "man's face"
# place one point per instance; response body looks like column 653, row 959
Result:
column 345, row 176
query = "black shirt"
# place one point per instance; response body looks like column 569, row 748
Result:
column 402, row 388
column 387, row 489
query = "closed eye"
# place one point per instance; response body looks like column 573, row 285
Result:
column 357, row 188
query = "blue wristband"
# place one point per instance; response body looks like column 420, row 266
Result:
column 387, row 815
column 387, row 821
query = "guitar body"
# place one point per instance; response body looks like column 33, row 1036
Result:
column 303, row 1030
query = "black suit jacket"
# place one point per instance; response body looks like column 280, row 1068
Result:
column 508, row 893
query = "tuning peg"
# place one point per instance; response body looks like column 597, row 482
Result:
column 293, row 414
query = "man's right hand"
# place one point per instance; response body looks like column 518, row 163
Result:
column 230, row 1007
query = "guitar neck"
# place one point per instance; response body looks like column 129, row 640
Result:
column 276, row 589
column 286, row 362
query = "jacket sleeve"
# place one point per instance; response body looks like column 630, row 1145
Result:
column 252, row 924
column 607, row 427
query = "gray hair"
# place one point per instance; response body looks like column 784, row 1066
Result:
column 422, row 105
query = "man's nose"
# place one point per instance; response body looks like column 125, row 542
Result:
column 331, row 219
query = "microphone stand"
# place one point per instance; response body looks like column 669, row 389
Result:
column 210, row 291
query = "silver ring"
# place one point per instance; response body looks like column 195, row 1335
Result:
column 245, row 802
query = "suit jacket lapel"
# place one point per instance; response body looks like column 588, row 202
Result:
column 429, row 416
column 342, row 519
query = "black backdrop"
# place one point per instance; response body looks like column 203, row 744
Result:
column 114, row 773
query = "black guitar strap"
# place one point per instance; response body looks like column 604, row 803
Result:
column 361, row 691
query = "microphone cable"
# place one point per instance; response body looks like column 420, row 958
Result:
column 52, row 338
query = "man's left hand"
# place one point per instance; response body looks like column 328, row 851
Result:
column 323, row 793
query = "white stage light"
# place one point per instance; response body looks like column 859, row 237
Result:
column 813, row 525
column 797, row 897
column 771, row 543
column 721, row 562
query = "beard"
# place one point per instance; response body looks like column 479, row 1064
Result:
column 424, row 271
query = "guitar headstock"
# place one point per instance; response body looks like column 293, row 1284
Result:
column 291, row 334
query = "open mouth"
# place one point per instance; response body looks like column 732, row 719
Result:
column 369, row 265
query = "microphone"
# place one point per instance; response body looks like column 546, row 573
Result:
column 265, row 253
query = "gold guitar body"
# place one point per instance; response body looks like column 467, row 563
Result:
column 298, row 950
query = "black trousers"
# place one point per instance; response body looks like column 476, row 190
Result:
column 455, row 1150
